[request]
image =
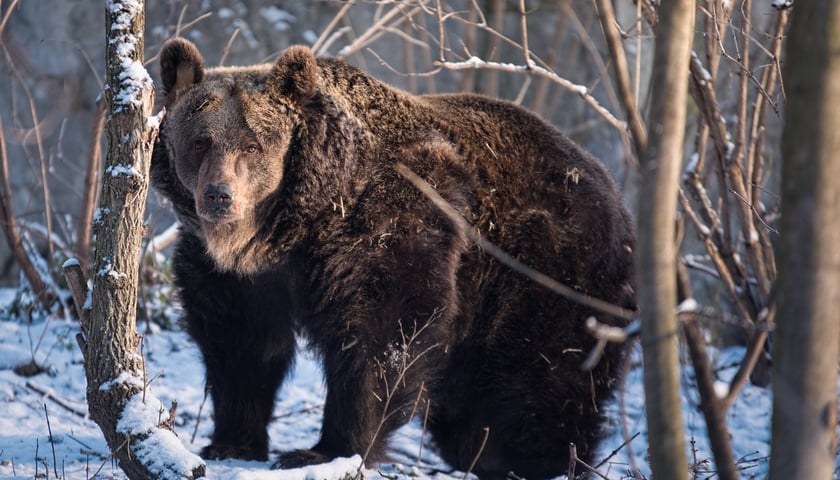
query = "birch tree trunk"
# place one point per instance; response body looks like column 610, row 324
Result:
column 132, row 420
column 657, row 250
column 807, row 338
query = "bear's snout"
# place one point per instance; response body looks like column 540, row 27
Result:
column 217, row 199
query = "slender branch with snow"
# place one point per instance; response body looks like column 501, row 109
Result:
column 533, row 68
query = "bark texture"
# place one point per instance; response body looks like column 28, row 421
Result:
column 660, row 168
column 113, row 366
column 807, row 338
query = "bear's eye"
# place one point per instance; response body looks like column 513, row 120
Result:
column 200, row 145
column 252, row 149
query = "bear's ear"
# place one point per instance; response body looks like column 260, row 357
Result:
column 181, row 66
column 295, row 75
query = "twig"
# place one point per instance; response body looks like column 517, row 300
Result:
column 591, row 469
column 523, row 20
column 755, row 349
column 58, row 401
column 375, row 31
column 5, row 19
column 37, row 451
column 714, row 410
column 52, row 441
column 78, row 289
column 756, row 151
column 461, row 224
column 91, row 188
column 616, row 450
column 186, row 26
column 478, row 454
column 490, row 81
column 570, row 473
column 714, row 241
column 318, row 47
column 744, row 54
column 142, row 340
column 423, row 432
column 604, row 334
column 229, row 43
column 539, row 101
column 162, row 240
column 622, row 76
column 39, row 143
column 441, row 31
column 198, row 415
column 12, row 232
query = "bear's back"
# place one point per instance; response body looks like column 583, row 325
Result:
column 523, row 159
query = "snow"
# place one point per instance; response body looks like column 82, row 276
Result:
column 225, row 13
column 474, row 61
column 153, row 121
column 160, row 449
column 99, row 213
column 338, row 468
column 277, row 17
column 164, row 454
column 581, row 90
column 70, row 262
column 127, row 170
column 310, row 37
column 688, row 305
column 174, row 366
column 123, row 378
column 133, row 78
column 108, row 270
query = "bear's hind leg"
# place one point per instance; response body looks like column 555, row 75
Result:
column 518, row 373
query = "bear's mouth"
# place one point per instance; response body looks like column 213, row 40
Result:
column 211, row 214
column 217, row 216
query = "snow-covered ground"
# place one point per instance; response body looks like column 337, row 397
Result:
column 45, row 432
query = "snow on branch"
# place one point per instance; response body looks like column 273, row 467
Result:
column 127, row 43
column 158, row 448
column 475, row 62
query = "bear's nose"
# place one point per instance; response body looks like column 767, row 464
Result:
column 218, row 197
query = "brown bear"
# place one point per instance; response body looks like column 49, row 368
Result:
column 295, row 221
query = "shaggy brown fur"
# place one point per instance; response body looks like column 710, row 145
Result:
column 294, row 220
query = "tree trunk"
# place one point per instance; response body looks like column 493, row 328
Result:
column 657, row 252
column 116, row 392
column 808, row 332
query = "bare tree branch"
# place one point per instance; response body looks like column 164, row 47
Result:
column 622, row 75
column 10, row 228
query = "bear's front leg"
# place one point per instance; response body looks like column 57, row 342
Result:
column 243, row 329
column 242, row 386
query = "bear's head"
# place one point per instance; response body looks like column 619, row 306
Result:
column 227, row 135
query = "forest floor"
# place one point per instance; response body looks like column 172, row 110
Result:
column 45, row 431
